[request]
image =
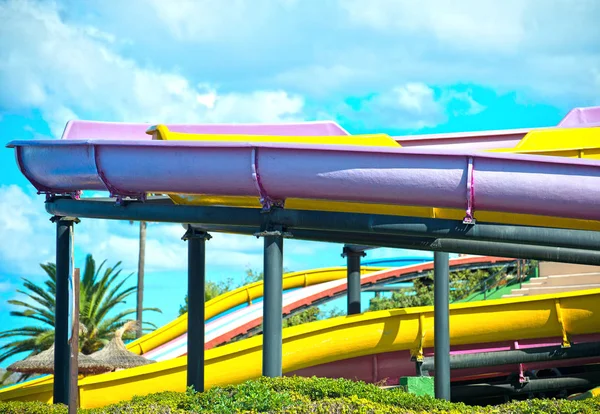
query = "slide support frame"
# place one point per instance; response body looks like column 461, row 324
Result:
column 63, row 351
column 272, row 359
column 196, row 239
column 441, row 320
column 354, row 289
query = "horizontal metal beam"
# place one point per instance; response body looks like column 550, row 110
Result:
column 518, row 356
column 369, row 225
column 359, row 248
column 482, row 390
column 484, row 248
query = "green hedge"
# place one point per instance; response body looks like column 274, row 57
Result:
column 304, row 395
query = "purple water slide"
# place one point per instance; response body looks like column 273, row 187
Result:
column 98, row 130
column 508, row 138
column 582, row 117
column 85, row 130
column 509, row 183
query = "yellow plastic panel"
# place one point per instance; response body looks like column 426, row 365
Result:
column 220, row 304
column 562, row 139
column 346, row 337
column 564, row 142
column 162, row 133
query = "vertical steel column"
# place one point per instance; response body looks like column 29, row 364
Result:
column 62, row 345
column 272, row 306
column 441, row 316
column 353, row 284
column 196, row 239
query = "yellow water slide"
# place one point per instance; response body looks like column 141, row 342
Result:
column 565, row 142
column 346, row 337
column 216, row 306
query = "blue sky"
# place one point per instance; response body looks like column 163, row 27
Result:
column 398, row 67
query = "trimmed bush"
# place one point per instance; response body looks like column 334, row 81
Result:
column 17, row 407
column 297, row 395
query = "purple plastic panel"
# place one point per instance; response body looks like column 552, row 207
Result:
column 86, row 130
column 465, row 140
column 510, row 183
column 581, row 117
column 482, row 140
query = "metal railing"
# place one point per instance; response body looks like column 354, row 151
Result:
column 523, row 268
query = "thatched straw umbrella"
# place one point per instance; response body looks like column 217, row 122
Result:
column 116, row 354
column 43, row 363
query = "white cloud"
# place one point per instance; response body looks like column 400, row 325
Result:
column 70, row 71
column 204, row 20
column 467, row 25
column 27, row 234
column 29, row 239
column 320, row 80
column 416, row 105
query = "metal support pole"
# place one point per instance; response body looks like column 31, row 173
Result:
column 441, row 317
column 62, row 345
column 273, row 308
column 196, row 239
column 353, row 284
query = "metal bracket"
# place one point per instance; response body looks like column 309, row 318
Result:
column 266, row 201
column 194, row 232
column 54, row 219
column 51, row 196
column 347, row 251
column 565, row 336
column 523, row 379
column 122, row 200
column 469, row 218
column 267, row 228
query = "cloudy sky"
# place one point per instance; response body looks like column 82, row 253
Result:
column 400, row 67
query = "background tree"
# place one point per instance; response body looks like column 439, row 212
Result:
column 140, row 277
column 101, row 293
column 214, row 289
column 211, row 290
column 462, row 284
column 311, row 314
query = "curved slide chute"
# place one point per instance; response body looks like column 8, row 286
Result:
column 583, row 143
column 348, row 337
column 311, row 286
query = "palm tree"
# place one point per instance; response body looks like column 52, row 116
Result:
column 101, row 293
column 140, row 280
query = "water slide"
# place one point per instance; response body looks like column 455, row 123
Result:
column 502, row 184
column 239, row 311
column 370, row 346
